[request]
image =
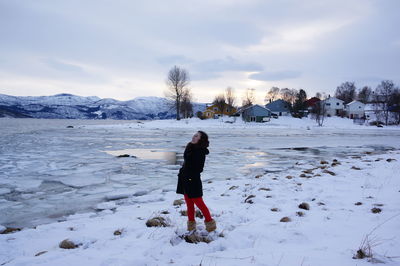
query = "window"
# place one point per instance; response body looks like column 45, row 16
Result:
column 337, row 103
column 328, row 104
column 252, row 118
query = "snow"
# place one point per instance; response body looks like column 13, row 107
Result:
column 58, row 99
column 59, row 183
column 92, row 107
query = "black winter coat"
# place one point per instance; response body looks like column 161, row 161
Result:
column 189, row 181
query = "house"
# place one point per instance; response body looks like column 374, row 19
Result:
column 279, row 107
column 355, row 109
column 333, row 106
column 212, row 111
column 310, row 103
column 255, row 113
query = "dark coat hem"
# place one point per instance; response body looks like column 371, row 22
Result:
column 189, row 181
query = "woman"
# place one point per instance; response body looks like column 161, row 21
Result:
column 189, row 182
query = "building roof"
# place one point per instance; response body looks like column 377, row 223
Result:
column 355, row 101
column 312, row 101
column 278, row 106
column 251, row 106
column 333, row 98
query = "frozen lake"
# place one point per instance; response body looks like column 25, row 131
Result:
column 49, row 170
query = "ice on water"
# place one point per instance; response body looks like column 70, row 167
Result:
column 48, row 171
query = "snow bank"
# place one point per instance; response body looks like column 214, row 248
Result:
column 231, row 122
column 329, row 233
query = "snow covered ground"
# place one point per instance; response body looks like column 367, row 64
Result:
column 48, row 171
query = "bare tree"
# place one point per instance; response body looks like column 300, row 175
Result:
column 288, row 95
column 381, row 98
column 346, row 92
column 321, row 96
column 248, row 97
column 364, row 94
column 272, row 94
column 230, row 98
column 177, row 82
column 394, row 104
column 220, row 102
column 186, row 104
column 319, row 112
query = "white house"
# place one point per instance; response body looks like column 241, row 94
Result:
column 355, row 109
column 333, row 106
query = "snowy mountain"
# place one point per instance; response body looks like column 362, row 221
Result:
column 78, row 107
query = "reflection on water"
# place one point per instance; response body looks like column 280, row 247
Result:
column 149, row 154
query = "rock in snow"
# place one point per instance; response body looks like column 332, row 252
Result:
column 67, row 244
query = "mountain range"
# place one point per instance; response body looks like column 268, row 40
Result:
column 71, row 106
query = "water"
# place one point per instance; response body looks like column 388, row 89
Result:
column 168, row 157
column 48, row 171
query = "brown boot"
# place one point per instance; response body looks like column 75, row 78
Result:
column 210, row 225
column 191, row 225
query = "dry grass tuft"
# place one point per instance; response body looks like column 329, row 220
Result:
column 249, row 199
column 157, row 221
column 329, row 172
column 376, row 210
column 198, row 213
column 178, row 202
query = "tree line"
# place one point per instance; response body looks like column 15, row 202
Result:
column 386, row 96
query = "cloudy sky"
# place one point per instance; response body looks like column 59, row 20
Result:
column 124, row 49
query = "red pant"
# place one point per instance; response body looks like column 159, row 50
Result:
column 190, row 202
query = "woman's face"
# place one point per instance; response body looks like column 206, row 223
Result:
column 196, row 137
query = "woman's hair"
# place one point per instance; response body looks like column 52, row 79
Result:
column 203, row 141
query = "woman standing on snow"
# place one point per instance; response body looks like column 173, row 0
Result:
column 189, row 182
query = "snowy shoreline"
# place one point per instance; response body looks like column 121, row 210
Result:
column 329, row 233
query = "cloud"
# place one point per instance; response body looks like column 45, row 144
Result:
column 312, row 43
column 275, row 75
column 62, row 66
column 174, row 60
column 227, row 64
column 210, row 69
column 213, row 68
